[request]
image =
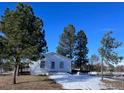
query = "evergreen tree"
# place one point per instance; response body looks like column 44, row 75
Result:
column 81, row 49
column 23, row 35
column 66, row 43
column 2, row 53
column 107, row 50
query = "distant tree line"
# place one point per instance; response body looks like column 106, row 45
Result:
column 118, row 68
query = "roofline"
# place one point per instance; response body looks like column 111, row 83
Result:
column 59, row 55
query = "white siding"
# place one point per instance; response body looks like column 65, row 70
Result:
column 49, row 58
column 36, row 70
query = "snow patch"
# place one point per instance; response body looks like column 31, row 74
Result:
column 84, row 82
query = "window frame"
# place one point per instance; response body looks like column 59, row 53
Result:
column 52, row 65
column 42, row 64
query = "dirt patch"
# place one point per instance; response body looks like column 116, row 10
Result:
column 27, row 82
column 117, row 84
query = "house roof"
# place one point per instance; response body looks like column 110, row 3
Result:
column 54, row 56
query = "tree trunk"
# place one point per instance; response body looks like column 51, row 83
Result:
column 0, row 69
column 14, row 74
column 80, row 65
column 21, row 69
column 102, row 70
column 17, row 72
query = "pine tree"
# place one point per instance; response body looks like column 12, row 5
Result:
column 107, row 50
column 81, row 49
column 23, row 35
column 2, row 53
column 66, row 43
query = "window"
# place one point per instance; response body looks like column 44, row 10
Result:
column 42, row 64
column 61, row 65
column 52, row 65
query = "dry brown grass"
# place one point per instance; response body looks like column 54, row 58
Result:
column 27, row 82
column 114, row 84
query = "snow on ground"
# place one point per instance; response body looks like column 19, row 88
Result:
column 84, row 81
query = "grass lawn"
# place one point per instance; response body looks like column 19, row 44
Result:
column 27, row 82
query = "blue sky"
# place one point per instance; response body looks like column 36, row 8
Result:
column 94, row 18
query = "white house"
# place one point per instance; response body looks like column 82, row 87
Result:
column 52, row 62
